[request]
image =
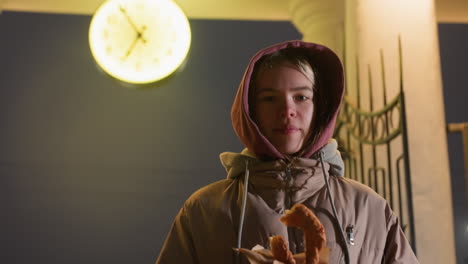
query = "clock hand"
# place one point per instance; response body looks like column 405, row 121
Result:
column 130, row 49
column 129, row 19
column 139, row 36
column 139, row 32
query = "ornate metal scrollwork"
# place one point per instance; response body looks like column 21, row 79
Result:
column 372, row 128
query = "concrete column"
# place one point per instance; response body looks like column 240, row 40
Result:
column 379, row 24
column 327, row 23
column 320, row 21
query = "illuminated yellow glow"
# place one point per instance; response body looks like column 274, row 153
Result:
column 161, row 47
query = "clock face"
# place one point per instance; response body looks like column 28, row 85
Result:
column 139, row 41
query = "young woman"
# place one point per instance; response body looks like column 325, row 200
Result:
column 284, row 113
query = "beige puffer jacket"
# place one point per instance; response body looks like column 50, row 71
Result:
column 206, row 228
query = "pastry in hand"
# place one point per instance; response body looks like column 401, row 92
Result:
column 280, row 250
column 314, row 233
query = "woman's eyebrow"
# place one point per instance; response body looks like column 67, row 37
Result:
column 299, row 88
column 302, row 88
column 261, row 90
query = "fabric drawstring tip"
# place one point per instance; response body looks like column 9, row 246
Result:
column 242, row 215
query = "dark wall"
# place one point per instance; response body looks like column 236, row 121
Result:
column 453, row 40
column 92, row 171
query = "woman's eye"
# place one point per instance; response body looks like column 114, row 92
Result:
column 302, row 98
column 266, row 98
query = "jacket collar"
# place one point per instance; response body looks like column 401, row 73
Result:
column 279, row 180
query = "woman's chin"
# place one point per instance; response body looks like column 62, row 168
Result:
column 289, row 150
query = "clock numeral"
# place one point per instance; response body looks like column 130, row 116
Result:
column 105, row 34
column 138, row 66
column 156, row 61
column 108, row 49
column 169, row 52
column 112, row 19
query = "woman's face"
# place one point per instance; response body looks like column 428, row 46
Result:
column 283, row 106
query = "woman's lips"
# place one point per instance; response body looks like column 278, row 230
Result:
column 287, row 130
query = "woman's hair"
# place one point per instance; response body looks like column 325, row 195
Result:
column 297, row 57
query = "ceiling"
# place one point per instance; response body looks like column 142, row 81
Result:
column 447, row 11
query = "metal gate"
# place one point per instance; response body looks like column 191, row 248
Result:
column 374, row 145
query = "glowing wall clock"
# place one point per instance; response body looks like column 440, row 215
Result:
column 139, row 41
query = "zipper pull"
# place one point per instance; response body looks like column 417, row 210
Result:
column 287, row 188
column 350, row 233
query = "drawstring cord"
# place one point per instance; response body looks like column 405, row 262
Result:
column 345, row 248
column 244, row 205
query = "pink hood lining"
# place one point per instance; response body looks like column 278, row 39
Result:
column 332, row 75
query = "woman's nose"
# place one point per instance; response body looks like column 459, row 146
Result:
column 288, row 109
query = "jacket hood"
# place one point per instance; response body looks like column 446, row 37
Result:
column 329, row 71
